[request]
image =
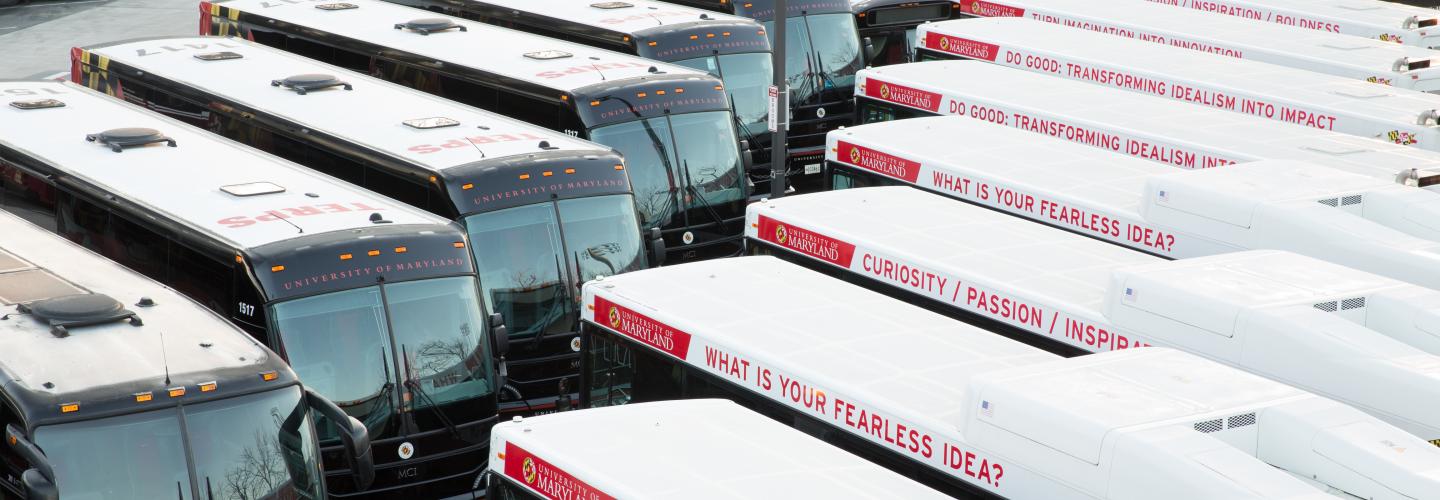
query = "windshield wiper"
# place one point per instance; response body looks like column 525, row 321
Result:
column 414, row 386
column 696, row 192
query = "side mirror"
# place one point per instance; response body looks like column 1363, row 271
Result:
column 869, row 50
column 499, row 335
column 354, row 436
column 747, row 157
column 39, row 479
column 657, row 247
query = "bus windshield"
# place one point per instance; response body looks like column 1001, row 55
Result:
column 527, row 254
column 354, row 346
column 254, row 446
column 747, row 82
column 822, row 54
column 690, row 158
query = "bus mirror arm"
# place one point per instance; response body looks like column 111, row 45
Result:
column 354, row 436
column 868, row 49
column 500, row 335
column 657, row 247
column 39, row 479
column 747, row 157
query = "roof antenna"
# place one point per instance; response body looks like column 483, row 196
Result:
column 476, row 146
column 286, row 219
column 597, row 68
column 164, row 358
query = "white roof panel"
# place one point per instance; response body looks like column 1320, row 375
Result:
column 980, row 392
column 1274, row 92
column 491, row 48
column 672, row 449
column 369, row 114
column 627, row 16
column 184, row 182
column 1388, row 21
column 114, row 353
column 1323, row 52
column 1169, row 132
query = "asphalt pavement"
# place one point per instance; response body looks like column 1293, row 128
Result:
column 36, row 37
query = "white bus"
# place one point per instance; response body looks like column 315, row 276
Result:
column 373, row 303
column 1387, row 21
column 1287, row 95
column 98, row 403
column 1352, row 220
column 670, row 449
column 1374, row 61
column 971, row 413
column 550, row 211
column 1168, row 132
column 673, row 124
column 1260, row 311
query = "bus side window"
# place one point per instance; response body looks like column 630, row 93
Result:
column 27, row 196
column 611, row 364
column 405, row 190
column 530, row 110
column 167, row 104
column 200, row 277
column 88, row 225
column 139, row 248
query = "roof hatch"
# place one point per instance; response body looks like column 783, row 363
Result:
column 612, row 5
column 432, row 122
column 85, row 309
column 337, row 6
column 253, row 188
column 120, row 138
column 219, row 56
column 545, row 55
column 302, row 84
column 37, row 104
column 429, row 25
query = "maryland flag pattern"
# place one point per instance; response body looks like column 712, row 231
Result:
column 92, row 70
column 222, row 21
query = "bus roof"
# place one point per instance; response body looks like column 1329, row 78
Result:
column 1386, row 21
column 1169, row 132
column 673, row 449
column 1279, row 93
column 211, row 185
column 1354, row 220
column 1098, row 297
column 951, row 383
column 547, row 62
column 1324, row 52
column 633, row 17
column 119, row 359
column 370, row 114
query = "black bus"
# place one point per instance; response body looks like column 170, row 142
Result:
column 547, row 211
column 733, row 49
column 374, row 304
column 211, row 412
column 822, row 54
column 672, row 124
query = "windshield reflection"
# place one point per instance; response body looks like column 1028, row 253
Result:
column 674, row 159
column 247, row 447
column 340, row 344
column 525, row 262
column 822, row 53
column 747, row 82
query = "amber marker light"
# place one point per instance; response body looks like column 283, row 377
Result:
column 208, row 386
column 373, row 253
column 176, row 392
column 401, row 249
column 276, row 269
column 347, row 256
column 69, row 407
column 144, row 397
column 459, row 244
column 467, row 185
column 269, row 376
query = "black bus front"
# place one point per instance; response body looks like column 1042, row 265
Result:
column 387, row 322
column 541, row 225
column 887, row 27
column 679, row 141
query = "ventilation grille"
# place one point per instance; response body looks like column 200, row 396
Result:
column 1343, row 201
column 1209, row 426
column 1220, row 424
column 1240, row 420
column 1342, row 305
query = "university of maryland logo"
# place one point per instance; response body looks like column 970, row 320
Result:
column 1379, row 80
column 855, row 155
column 527, row 468
column 780, row 235
column 615, row 318
column 885, row 91
column 945, row 40
column 974, row 7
